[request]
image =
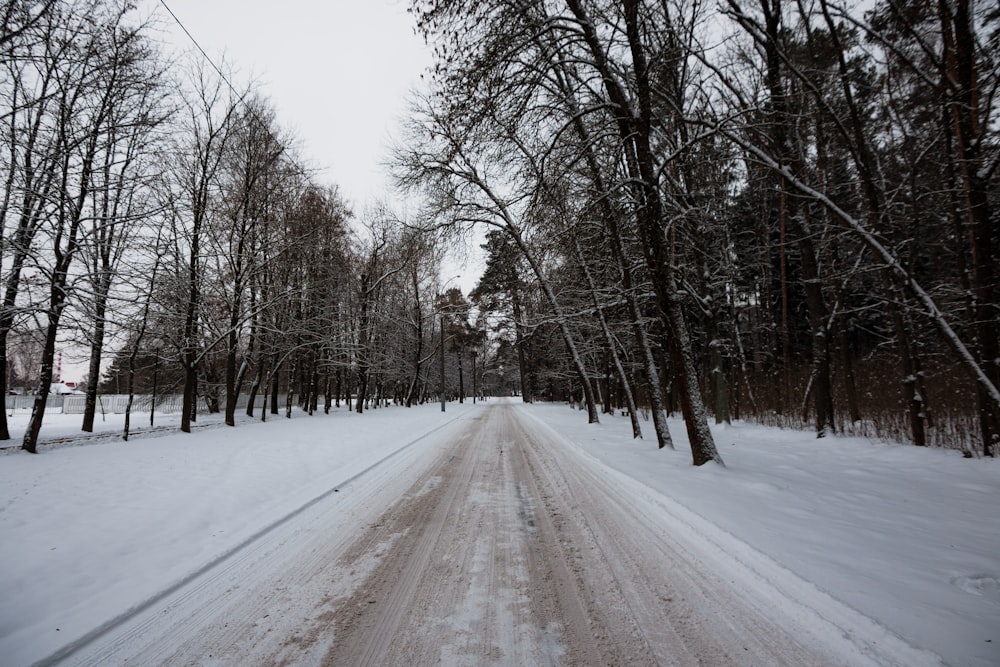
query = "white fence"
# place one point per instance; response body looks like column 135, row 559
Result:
column 115, row 403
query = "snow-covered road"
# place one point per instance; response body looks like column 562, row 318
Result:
column 489, row 539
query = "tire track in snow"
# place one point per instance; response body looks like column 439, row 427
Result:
column 500, row 544
column 228, row 559
column 474, row 576
column 682, row 576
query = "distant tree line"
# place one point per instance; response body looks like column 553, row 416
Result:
column 781, row 211
column 161, row 219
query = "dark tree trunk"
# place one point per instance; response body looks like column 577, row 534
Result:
column 189, row 355
column 818, row 318
column 720, row 384
column 611, row 351
column 961, row 74
column 790, row 217
column 231, row 384
column 30, row 442
column 314, row 387
column 419, row 330
column 520, row 343
column 290, row 395
column 635, row 133
column 327, row 398
column 275, row 383
column 39, row 181
column 252, row 392
column 94, row 367
column 912, row 396
column 340, row 378
column 152, row 394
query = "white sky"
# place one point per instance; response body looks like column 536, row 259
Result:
column 337, row 71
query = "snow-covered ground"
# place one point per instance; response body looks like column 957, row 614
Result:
column 906, row 536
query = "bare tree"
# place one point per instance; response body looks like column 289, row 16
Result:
column 31, row 58
column 251, row 172
column 209, row 113
column 121, row 199
column 94, row 78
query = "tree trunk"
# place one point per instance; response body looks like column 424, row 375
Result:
column 94, row 368
column 189, row 355
column 290, row 395
column 152, row 395
column 633, row 410
column 264, row 400
column 38, row 186
column 913, row 398
column 818, row 319
column 720, row 384
column 520, row 343
column 561, row 322
column 275, row 383
column 252, row 392
column 336, row 392
column 327, row 398
column 230, row 416
column 961, row 63
column 314, row 387
column 359, row 403
column 635, row 133
column 30, row 442
column 419, row 330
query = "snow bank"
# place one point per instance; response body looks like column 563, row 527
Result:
column 88, row 532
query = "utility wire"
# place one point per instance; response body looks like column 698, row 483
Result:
column 203, row 53
column 242, row 97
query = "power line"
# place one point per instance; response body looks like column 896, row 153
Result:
column 203, row 52
column 242, row 97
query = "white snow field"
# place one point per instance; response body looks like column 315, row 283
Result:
column 493, row 534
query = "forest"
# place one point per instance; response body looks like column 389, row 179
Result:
column 783, row 212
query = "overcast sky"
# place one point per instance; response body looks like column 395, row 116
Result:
column 337, row 71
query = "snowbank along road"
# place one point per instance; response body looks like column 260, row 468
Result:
column 493, row 541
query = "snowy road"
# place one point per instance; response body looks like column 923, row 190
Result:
column 493, row 541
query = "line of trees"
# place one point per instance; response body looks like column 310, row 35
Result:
column 766, row 210
column 161, row 219
column 784, row 211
